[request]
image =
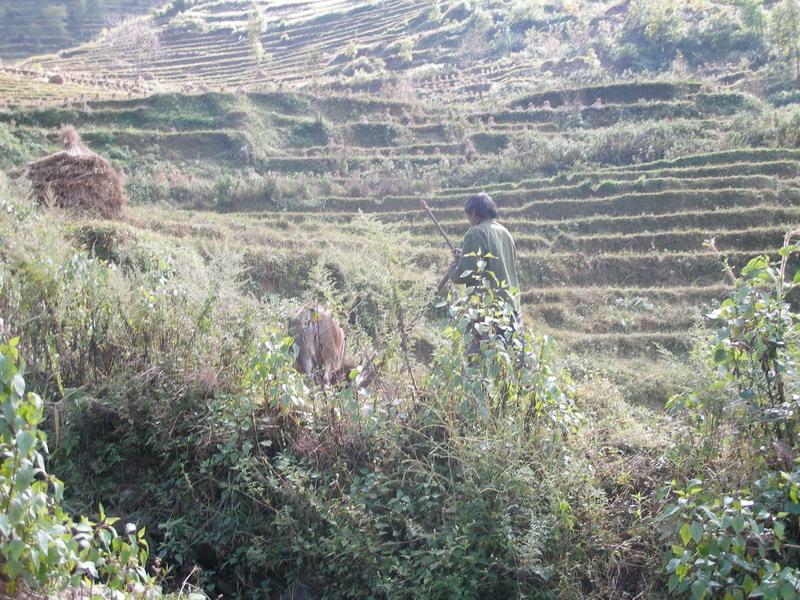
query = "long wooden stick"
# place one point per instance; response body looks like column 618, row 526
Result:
column 438, row 225
column 445, row 280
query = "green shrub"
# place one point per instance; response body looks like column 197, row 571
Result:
column 628, row 143
column 40, row 545
column 405, row 49
column 737, row 536
column 511, row 376
column 776, row 128
column 12, row 151
column 785, row 97
column 785, row 32
column 654, row 34
column 529, row 154
column 741, row 545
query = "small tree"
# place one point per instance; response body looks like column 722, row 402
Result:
column 351, row 51
column 753, row 16
column 405, row 51
column 435, row 14
column 313, row 64
column 256, row 26
column 135, row 42
column 785, row 32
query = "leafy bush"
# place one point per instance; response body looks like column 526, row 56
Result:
column 785, row 32
column 358, row 495
column 12, row 150
column 737, row 537
column 655, row 33
column 784, row 97
column 736, row 546
column 628, row 143
column 510, row 376
column 528, row 154
column 777, row 128
column 40, row 545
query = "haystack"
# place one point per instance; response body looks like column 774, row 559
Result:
column 77, row 178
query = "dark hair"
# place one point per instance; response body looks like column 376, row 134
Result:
column 482, row 205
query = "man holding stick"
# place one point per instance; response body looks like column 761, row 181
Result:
column 486, row 240
column 486, row 237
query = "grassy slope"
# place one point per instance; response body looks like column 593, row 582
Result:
column 633, row 228
column 609, row 223
column 176, row 297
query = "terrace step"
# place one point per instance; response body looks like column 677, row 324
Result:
column 745, row 155
column 623, row 205
column 616, row 344
column 631, row 295
column 626, row 270
column 607, row 94
column 751, row 239
column 761, row 215
column 616, row 317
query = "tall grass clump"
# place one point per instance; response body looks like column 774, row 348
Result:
column 628, row 143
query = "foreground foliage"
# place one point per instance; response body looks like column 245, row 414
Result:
column 734, row 526
column 41, row 547
column 175, row 404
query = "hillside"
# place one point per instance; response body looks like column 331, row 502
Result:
column 637, row 438
column 461, row 51
column 31, row 28
column 611, row 255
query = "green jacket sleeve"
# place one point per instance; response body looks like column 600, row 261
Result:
column 473, row 244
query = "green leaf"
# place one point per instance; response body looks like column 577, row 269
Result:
column 24, row 442
column 673, row 582
column 88, row 567
column 778, row 529
column 18, row 385
column 699, row 590
column 738, row 523
column 697, row 532
column 685, row 533
column 748, row 584
column 24, row 476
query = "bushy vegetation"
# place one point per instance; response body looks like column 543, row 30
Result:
column 41, row 547
column 174, row 402
column 733, row 518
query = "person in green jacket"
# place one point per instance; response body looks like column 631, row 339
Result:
column 487, row 236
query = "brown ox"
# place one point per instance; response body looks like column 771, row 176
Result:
column 320, row 342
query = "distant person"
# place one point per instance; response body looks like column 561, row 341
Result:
column 487, row 236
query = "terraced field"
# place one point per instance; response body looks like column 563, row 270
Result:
column 25, row 87
column 602, row 266
column 215, row 53
column 302, row 133
column 611, row 256
column 340, row 45
column 606, row 261
column 257, row 188
column 29, row 28
column 616, row 257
